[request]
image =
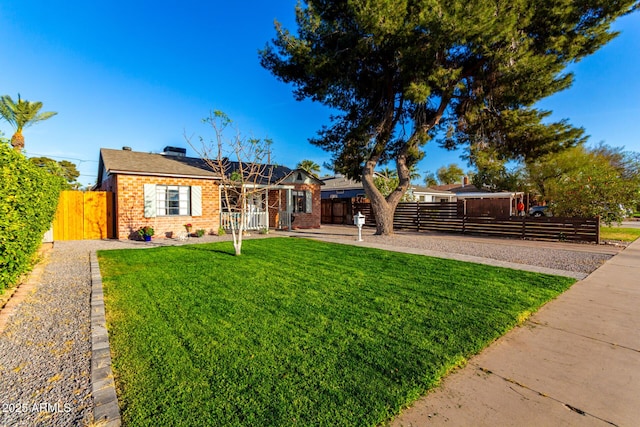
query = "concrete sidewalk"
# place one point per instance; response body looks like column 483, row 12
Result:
column 575, row 362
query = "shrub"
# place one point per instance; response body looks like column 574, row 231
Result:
column 200, row 232
column 28, row 200
column 221, row 231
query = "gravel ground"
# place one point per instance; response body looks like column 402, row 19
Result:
column 575, row 257
column 541, row 256
column 45, row 349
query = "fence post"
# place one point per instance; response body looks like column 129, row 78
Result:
column 524, row 227
column 418, row 214
column 598, row 229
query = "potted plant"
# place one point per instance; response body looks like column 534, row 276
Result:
column 188, row 228
column 146, row 232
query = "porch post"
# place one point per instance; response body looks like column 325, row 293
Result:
column 289, row 210
column 278, row 216
column 265, row 209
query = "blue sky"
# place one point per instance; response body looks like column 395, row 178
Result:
column 141, row 74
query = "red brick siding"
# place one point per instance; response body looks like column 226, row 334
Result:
column 129, row 191
column 274, row 206
column 302, row 220
column 309, row 220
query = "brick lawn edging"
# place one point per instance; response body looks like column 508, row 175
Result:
column 105, row 402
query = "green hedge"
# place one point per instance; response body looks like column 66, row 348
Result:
column 28, row 201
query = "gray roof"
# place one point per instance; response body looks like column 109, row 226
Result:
column 340, row 182
column 419, row 189
column 458, row 188
column 138, row 163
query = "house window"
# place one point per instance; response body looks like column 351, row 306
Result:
column 301, row 201
column 173, row 200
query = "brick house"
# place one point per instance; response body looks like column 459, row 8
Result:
column 169, row 190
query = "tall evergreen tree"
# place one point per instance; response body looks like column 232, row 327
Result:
column 399, row 72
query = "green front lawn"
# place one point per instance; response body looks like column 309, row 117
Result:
column 298, row 332
column 619, row 233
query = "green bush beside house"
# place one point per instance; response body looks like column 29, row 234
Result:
column 28, row 201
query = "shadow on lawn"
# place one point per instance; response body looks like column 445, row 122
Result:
column 206, row 248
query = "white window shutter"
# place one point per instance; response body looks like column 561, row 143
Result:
column 309, row 201
column 150, row 203
column 196, row 200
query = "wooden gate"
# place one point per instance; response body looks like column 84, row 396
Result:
column 336, row 211
column 494, row 208
column 84, row 216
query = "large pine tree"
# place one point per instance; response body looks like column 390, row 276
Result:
column 400, row 72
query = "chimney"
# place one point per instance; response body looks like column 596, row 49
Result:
column 126, row 148
column 465, row 180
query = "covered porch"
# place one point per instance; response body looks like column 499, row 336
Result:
column 270, row 208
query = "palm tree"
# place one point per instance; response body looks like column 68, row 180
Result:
column 414, row 175
column 21, row 114
column 388, row 173
column 310, row 166
column 430, row 179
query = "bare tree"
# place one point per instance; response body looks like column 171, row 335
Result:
column 242, row 181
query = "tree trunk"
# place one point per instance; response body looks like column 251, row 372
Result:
column 237, row 235
column 384, row 217
column 382, row 210
column 17, row 141
column 237, row 244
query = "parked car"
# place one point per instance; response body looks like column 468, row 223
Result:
column 539, row 211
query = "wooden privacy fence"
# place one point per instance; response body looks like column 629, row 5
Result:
column 449, row 217
column 84, row 215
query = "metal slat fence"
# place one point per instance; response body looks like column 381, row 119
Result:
column 448, row 217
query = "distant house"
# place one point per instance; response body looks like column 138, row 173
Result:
column 483, row 203
column 339, row 194
column 430, row 195
column 169, row 190
column 340, row 187
column 459, row 189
